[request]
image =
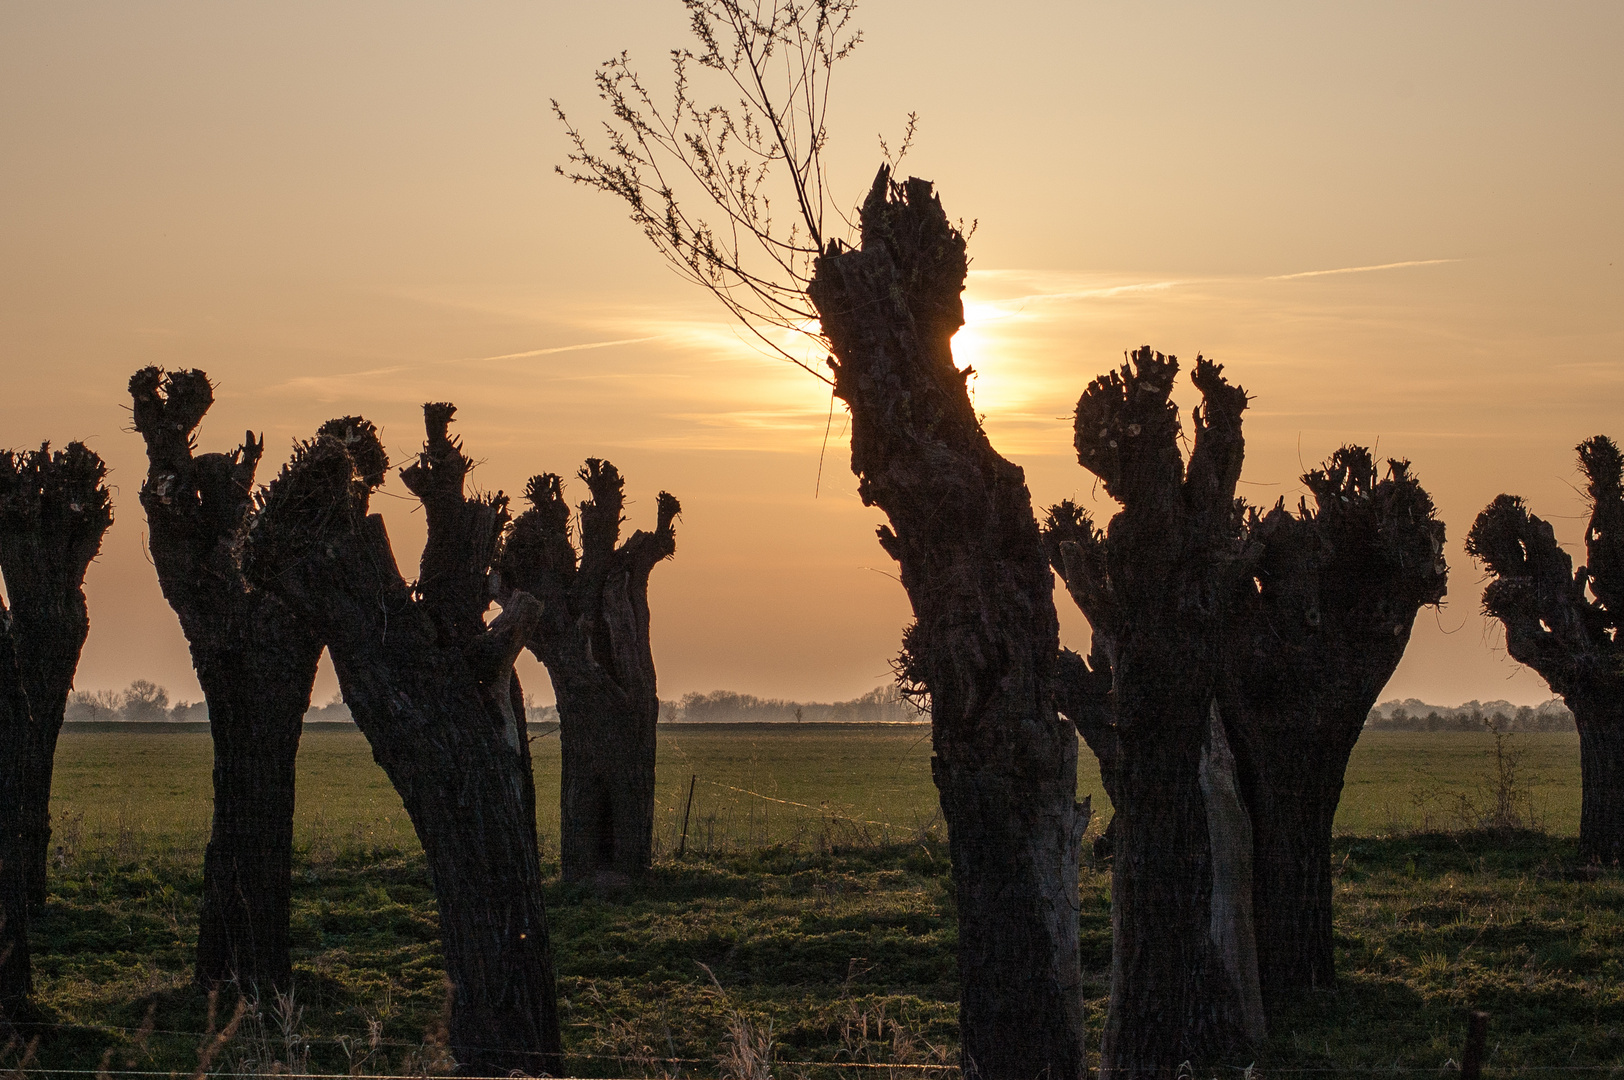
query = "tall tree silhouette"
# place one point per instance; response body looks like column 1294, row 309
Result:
column 986, row 636
column 1156, row 587
column 1566, row 625
column 54, row 511
column 432, row 688
column 1315, row 634
column 256, row 662
column 593, row 636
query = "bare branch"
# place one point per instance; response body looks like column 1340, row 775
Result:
column 777, row 57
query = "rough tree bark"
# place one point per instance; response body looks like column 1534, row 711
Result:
column 1572, row 639
column 431, row 687
column 16, row 970
column 54, row 511
column 986, row 635
column 1156, row 588
column 1316, row 632
column 256, row 662
column 594, row 638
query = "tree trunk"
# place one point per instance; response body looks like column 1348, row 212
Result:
column 16, row 973
column 466, row 796
column 255, row 721
column 431, row 687
column 256, row 662
column 606, row 801
column 1292, row 808
column 985, row 638
column 594, row 638
column 54, row 510
column 1601, row 767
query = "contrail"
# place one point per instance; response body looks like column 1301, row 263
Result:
column 564, row 348
column 1359, row 269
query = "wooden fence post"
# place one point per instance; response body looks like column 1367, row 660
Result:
column 1477, row 1036
column 682, row 845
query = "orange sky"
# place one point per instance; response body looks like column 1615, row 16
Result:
column 1394, row 223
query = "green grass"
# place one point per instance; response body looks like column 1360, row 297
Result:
column 831, row 921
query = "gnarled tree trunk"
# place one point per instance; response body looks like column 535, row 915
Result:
column 594, row 638
column 256, row 662
column 16, row 970
column 985, row 637
column 54, row 511
column 431, row 687
column 1572, row 639
column 1156, row 589
column 1315, row 634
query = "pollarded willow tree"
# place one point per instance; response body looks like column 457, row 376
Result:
column 1568, row 625
column 1297, row 622
column 54, row 511
column 256, row 662
column 593, row 636
column 986, row 636
column 1156, row 587
column 1316, row 632
column 431, row 686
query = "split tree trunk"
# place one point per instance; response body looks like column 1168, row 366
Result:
column 256, row 662
column 54, row 511
column 431, row 687
column 16, row 971
column 593, row 637
column 985, row 637
column 1156, row 590
column 1569, row 627
column 1315, row 633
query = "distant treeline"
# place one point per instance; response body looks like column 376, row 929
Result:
column 1413, row 715
column 146, row 702
column 884, row 704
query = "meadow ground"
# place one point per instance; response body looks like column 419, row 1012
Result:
column 812, row 908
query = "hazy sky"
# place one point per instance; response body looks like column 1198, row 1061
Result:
column 1397, row 224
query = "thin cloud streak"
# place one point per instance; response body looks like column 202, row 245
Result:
column 1360, row 269
column 556, row 349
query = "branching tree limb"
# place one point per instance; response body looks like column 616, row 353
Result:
column 774, row 59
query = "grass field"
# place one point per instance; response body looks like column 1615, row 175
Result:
column 815, row 893
column 872, row 781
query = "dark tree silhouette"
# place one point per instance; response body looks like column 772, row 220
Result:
column 985, row 637
column 432, row 688
column 1565, row 624
column 54, row 511
column 256, row 662
column 1315, row 634
column 593, row 636
column 16, row 969
column 1156, row 587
